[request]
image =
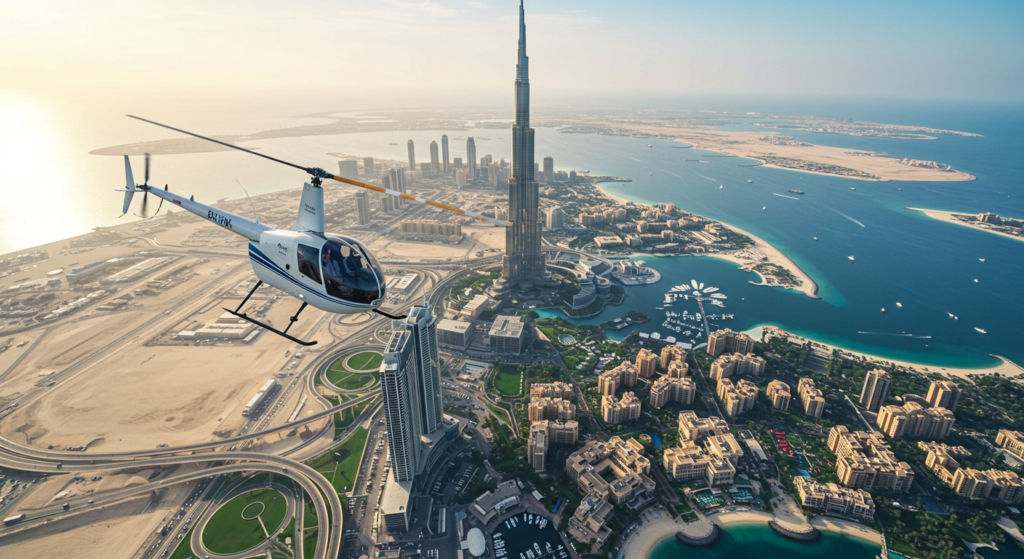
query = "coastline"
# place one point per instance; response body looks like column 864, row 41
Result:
column 948, row 218
column 775, row 256
column 1008, row 368
column 642, row 541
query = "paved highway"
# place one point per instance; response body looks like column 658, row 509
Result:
column 20, row 457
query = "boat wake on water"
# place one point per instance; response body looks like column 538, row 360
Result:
column 846, row 216
column 790, row 197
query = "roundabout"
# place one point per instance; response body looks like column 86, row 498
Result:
column 353, row 372
column 245, row 521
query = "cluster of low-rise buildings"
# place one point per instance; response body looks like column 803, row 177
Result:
column 552, row 420
column 505, row 335
column 997, row 485
column 714, row 461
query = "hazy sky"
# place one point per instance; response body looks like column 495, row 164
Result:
column 411, row 50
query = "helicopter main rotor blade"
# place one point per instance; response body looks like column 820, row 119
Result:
column 420, row 200
column 316, row 172
column 225, row 144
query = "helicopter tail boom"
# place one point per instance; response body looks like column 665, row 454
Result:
column 236, row 224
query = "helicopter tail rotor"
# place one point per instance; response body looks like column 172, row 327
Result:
column 129, row 189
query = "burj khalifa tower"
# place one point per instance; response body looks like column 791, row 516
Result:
column 523, row 262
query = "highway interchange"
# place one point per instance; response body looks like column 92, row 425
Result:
column 233, row 457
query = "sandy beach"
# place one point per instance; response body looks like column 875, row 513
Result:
column 774, row 255
column 948, row 218
column 1007, row 367
column 643, row 540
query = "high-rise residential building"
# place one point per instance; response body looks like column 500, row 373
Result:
column 552, row 409
column 646, row 363
column 549, row 170
column 538, row 447
column 726, row 340
column 457, row 163
column 615, row 411
column 560, row 390
column 554, row 219
column 445, row 165
column 412, row 156
column 737, row 398
column 348, row 168
column 363, row 207
column 738, row 363
column 609, row 381
column 369, row 168
column 423, row 325
column 435, row 161
column 667, row 389
column 470, row 159
column 523, row 262
column 944, row 394
column 875, row 390
column 779, row 395
column 671, row 353
column 865, row 461
column 811, row 398
column 915, row 420
column 418, row 431
column 400, row 389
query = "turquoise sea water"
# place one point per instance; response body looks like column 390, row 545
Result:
column 927, row 265
column 740, row 540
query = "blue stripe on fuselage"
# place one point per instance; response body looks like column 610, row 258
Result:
column 257, row 256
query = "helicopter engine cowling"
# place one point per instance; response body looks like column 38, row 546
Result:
column 333, row 273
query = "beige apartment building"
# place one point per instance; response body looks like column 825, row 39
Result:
column 667, row 389
column 737, row 398
column 1012, row 441
column 672, row 354
column 833, row 499
column 554, row 409
column 737, row 363
column 616, row 411
column 944, row 394
column 726, row 340
column 609, row 381
column 915, row 420
column 560, row 390
column 778, row 394
column 693, row 428
column 811, row 399
column 646, row 363
column 622, row 461
column 865, row 461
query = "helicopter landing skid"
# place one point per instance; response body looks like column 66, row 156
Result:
column 283, row 334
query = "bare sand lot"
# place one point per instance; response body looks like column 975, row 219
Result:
column 97, row 534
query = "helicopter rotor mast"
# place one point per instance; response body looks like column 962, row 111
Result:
column 318, row 174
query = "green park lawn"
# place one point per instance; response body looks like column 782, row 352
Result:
column 508, row 380
column 342, row 473
column 227, row 532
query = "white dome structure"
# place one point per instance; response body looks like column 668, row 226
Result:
column 477, row 544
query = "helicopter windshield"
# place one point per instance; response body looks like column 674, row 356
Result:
column 350, row 271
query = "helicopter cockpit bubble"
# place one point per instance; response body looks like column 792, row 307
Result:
column 350, row 271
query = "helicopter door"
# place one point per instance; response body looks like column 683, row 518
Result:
column 348, row 273
column 309, row 262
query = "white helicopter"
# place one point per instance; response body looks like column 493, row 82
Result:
column 334, row 273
